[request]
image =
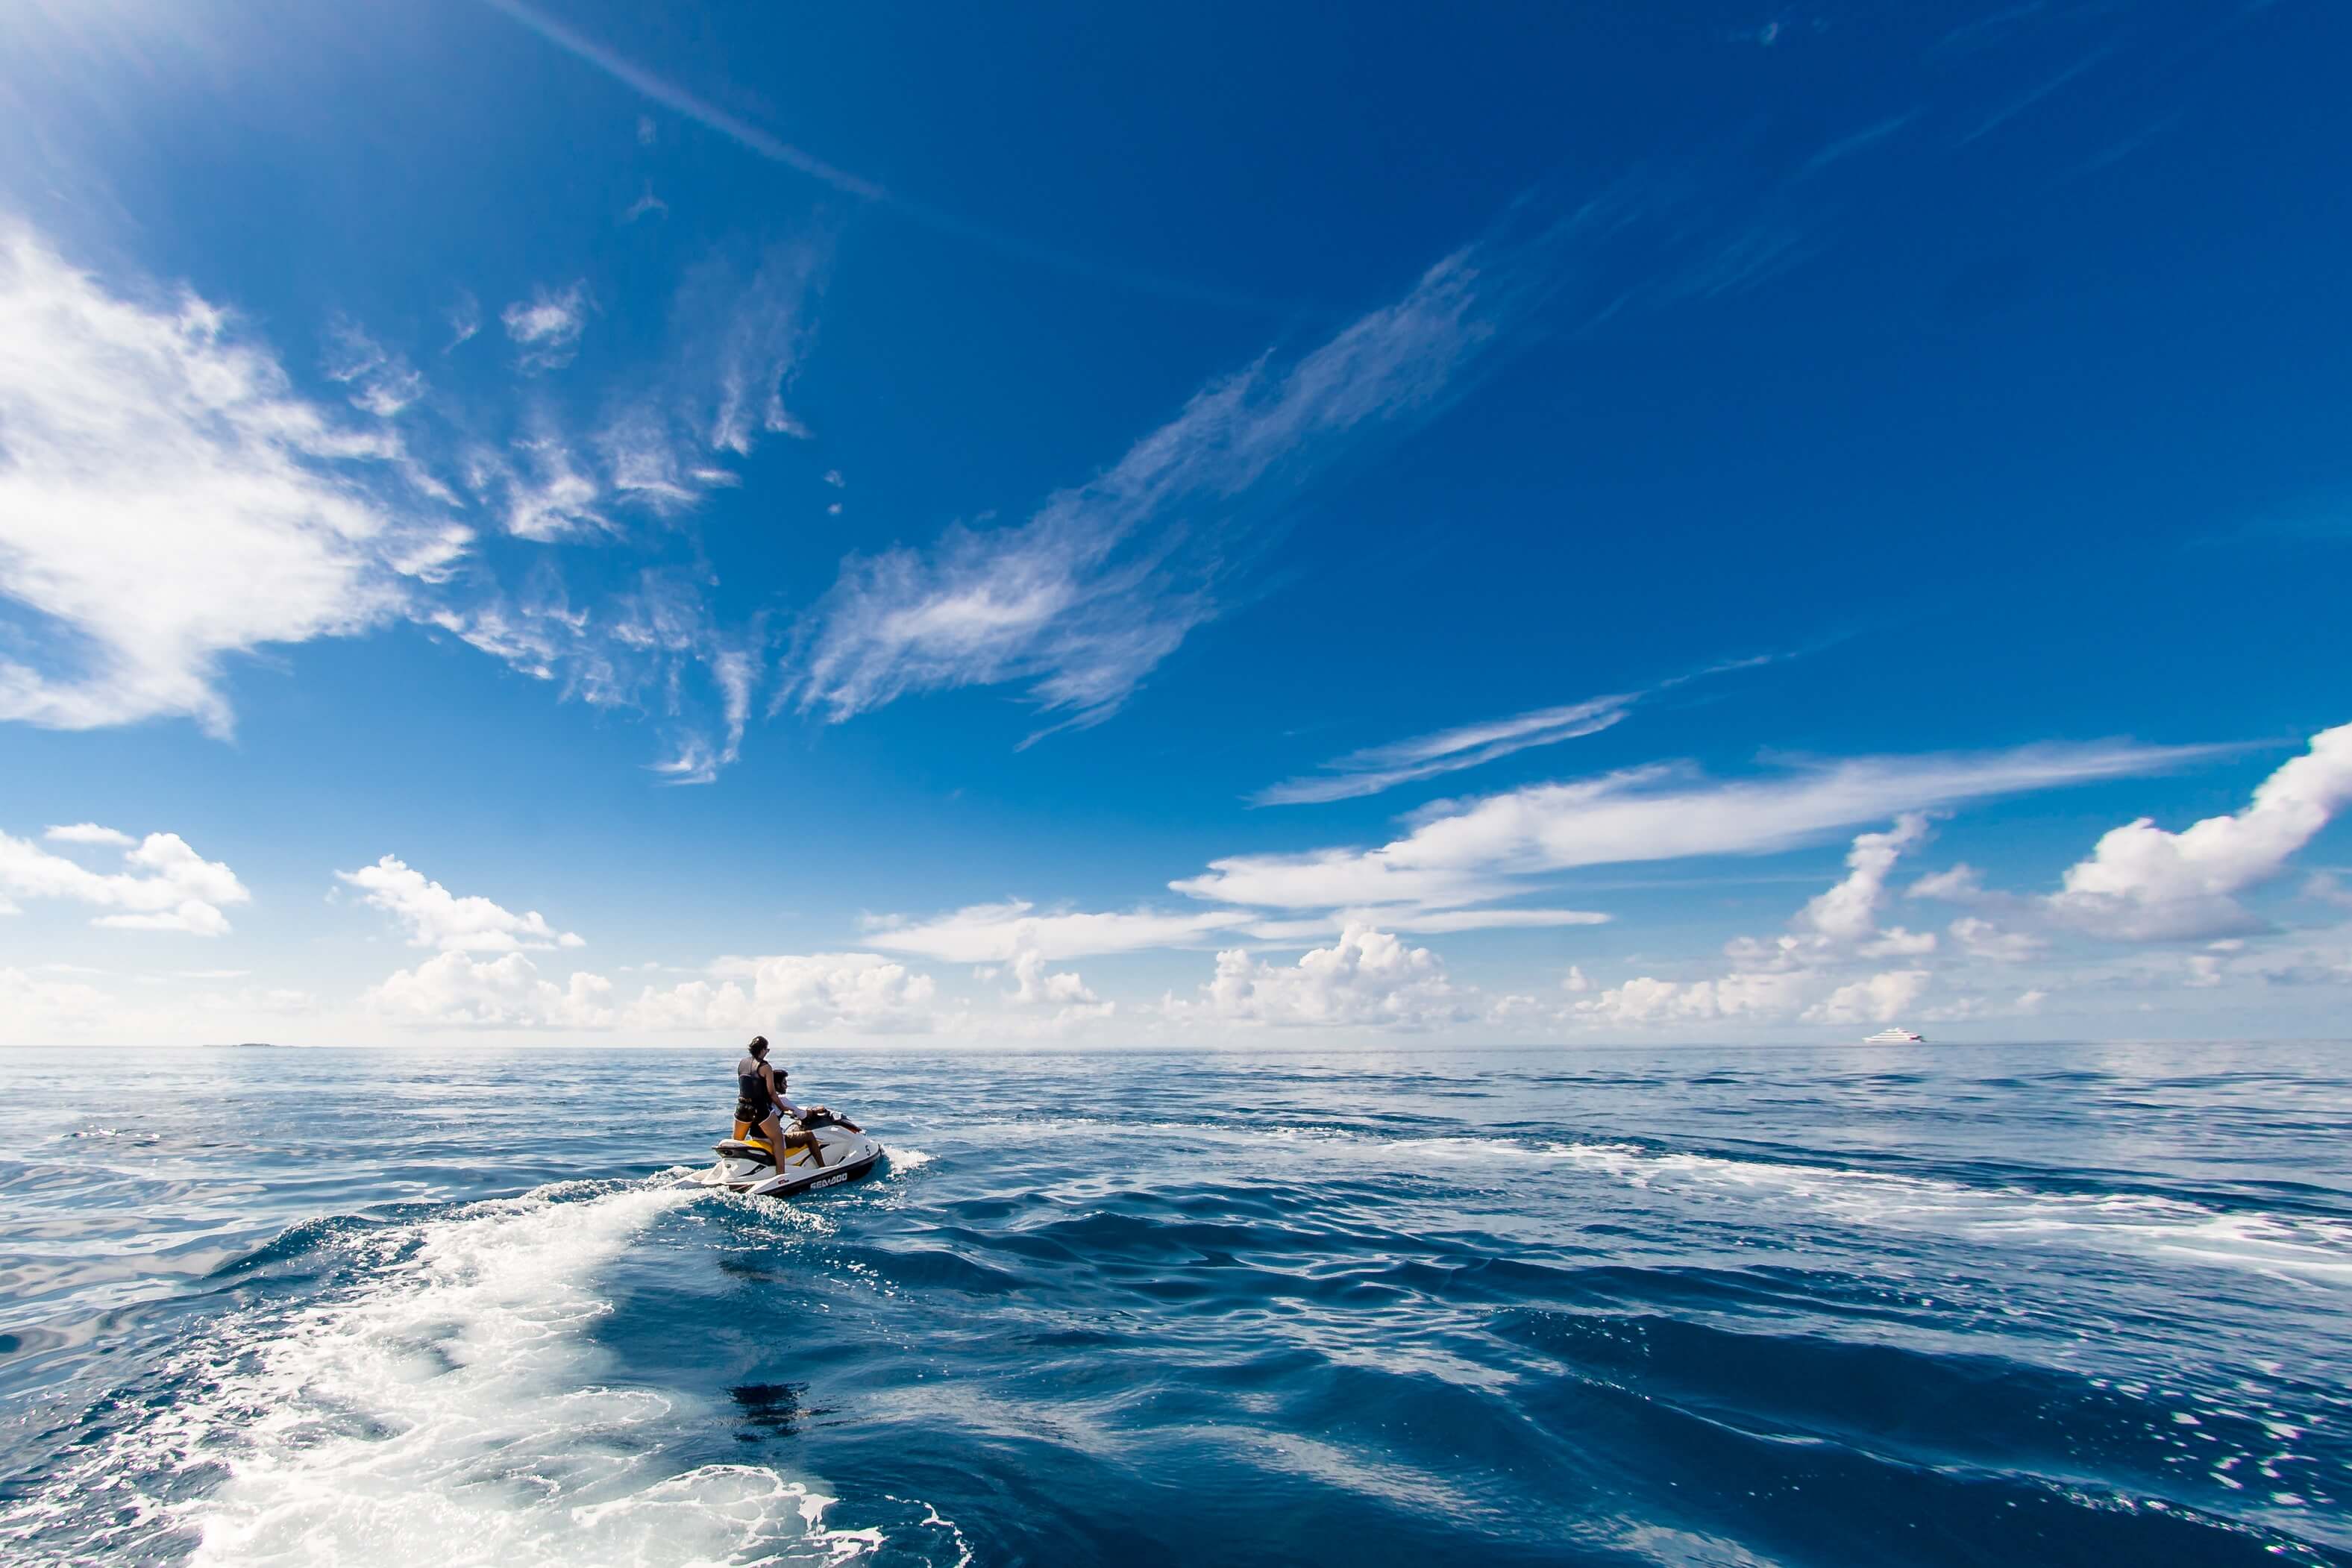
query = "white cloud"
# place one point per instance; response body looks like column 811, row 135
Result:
column 434, row 917
column 164, row 886
column 853, row 992
column 2328, row 888
column 1442, row 923
column 165, row 501
column 2143, row 884
column 1981, row 938
column 546, row 328
column 465, row 318
column 856, row 992
column 743, row 333
column 640, row 649
column 1367, row 977
column 1000, row 933
column 1649, row 1000
column 1960, row 885
column 1088, row 596
column 1467, row 853
column 545, row 491
column 383, row 382
column 1880, row 999
column 40, row 1012
column 1574, row 981
column 1848, row 912
column 1377, row 768
column 90, row 833
column 1063, row 991
column 454, row 990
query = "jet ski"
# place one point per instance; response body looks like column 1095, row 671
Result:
column 748, row 1165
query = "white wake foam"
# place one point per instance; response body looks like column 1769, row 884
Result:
column 2311, row 1249
column 453, row 1411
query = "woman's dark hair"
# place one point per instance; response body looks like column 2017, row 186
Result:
column 759, row 1045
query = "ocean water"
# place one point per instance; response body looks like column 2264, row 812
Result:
column 2012, row 1305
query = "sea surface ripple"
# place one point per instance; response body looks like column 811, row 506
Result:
column 1735, row 1306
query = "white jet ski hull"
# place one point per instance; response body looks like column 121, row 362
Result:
column 747, row 1168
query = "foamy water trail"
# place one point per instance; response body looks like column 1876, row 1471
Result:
column 2307, row 1247
column 453, row 1409
column 2163, row 1230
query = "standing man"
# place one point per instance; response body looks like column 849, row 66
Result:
column 759, row 1103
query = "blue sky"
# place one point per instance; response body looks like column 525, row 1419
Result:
column 564, row 523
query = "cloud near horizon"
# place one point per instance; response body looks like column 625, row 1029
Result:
column 1487, row 848
column 164, row 885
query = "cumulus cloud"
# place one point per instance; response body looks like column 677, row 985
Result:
column 1958, row 885
column 545, row 328
column 1462, row 853
column 1784, row 976
column 1880, row 999
column 1980, row 938
column 2144, row 884
column 166, row 500
column 1083, row 599
column 1649, row 1000
column 453, row 990
column 164, row 885
column 1848, row 912
column 36, row 1012
column 1367, row 977
column 1063, row 991
column 434, row 917
column 854, row 993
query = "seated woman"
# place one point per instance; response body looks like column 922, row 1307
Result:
column 758, row 1103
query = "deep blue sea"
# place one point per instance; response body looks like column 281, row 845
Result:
column 2007, row 1305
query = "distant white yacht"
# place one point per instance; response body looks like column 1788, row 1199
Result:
column 1894, row 1038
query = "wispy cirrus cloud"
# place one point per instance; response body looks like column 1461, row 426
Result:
column 1104, row 581
column 1377, row 768
column 768, row 145
column 545, row 328
column 168, row 501
column 382, row 380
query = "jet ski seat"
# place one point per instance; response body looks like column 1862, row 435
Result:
column 755, row 1147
